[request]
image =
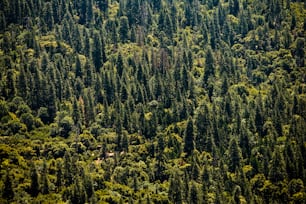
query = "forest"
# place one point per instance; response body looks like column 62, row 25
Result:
column 161, row 101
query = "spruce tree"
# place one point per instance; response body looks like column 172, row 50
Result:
column 8, row 192
column 44, row 179
column 34, row 187
column 10, row 83
column 277, row 170
column 235, row 157
column 124, row 29
column 194, row 197
column 175, row 188
column 209, row 69
column 189, row 138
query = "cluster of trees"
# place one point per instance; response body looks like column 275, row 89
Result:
column 163, row 101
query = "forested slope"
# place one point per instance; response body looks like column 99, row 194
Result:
column 162, row 101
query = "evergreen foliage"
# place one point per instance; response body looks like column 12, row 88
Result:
column 162, row 101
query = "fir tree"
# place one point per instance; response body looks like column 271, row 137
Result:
column 189, row 138
column 34, row 187
column 8, row 192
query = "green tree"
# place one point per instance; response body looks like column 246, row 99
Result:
column 189, row 137
column 8, row 192
column 277, row 170
column 48, row 16
column 125, row 143
column 194, row 197
column 51, row 102
column 34, row 187
column 65, row 126
column 175, row 188
column 124, row 29
column 300, row 52
column 59, row 175
column 235, row 156
column 44, row 179
column 103, row 5
column 98, row 53
column 4, row 110
column 10, row 83
column 120, row 64
column 68, row 169
column 22, row 84
column 78, row 192
column 234, row 7
column 43, row 114
column 29, row 120
column 76, row 113
column 203, row 125
column 206, row 182
column 78, row 67
column 209, row 69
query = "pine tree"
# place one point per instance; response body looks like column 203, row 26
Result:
column 194, row 197
column 59, row 176
column 103, row 5
column 22, row 84
column 8, row 192
column 76, row 115
column 125, row 143
column 234, row 7
column 203, row 125
column 206, row 182
column 44, row 179
column 300, row 52
column 124, row 29
column 175, row 189
column 120, row 64
column 189, row 138
column 209, row 69
column 48, row 16
column 78, row 67
column 10, row 83
column 235, row 157
column 34, row 187
column 51, row 103
column 68, row 169
column 88, row 185
column 98, row 53
column 277, row 170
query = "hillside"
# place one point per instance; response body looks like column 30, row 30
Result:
column 162, row 101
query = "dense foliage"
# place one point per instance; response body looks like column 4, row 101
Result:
column 162, row 101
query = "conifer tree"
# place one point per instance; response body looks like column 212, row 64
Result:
column 44, row 179
column 78, row 67
column 103, row 5
column 8, row 192
column 194, row 197
column 277, row 170
column 59, row 176
column 235, row 157
column 189, row 138
column 68, row 171
column 209, row 69
column 22, row 84
column 300, row 52
column 10, row 81
column 34, row 187
column 175, row 188
column 125, row 143
column 234, row 7
column 124, row 29
column 120, row 64
column 98, row 54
